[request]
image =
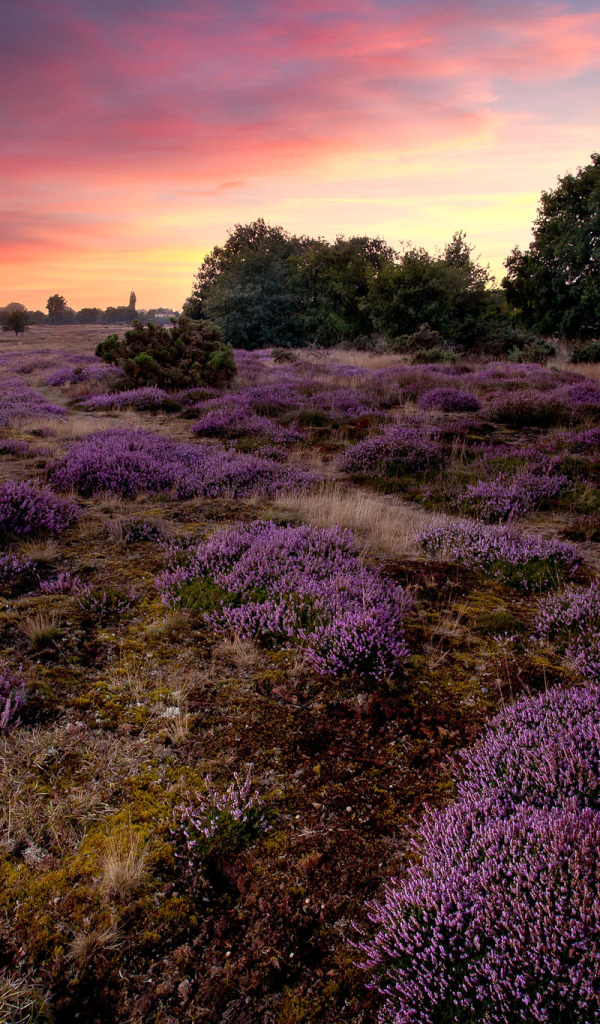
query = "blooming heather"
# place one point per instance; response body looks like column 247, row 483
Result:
column 505, row 497
column 28, row 509
column 20, row 401
column 14, row 567
column 571, row 621
column 499, row 922
column 137, row 398
column 543, row 751
column 12, row 696
column 405, row 448
column 128, row 462
column 219, row 818
column 448, row 400
column 344, row 617
column 520, row 560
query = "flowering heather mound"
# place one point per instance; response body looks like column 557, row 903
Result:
column 20, row 401
column 512, row 497
column 27, row 509
column 14, row 567
column 75, row 374
column 342, row 616
column 10, row 447
column 12, row 697
column 401, row 449
column 499, row 922
column 528, row 408
column 219, row 821
column 64, row 583
column 235, row 422
column 571, row 621
column 579, row 392
column 448, row 400
column 128, row 462
column 543, row 751
column 136, row 398
column 526, row 562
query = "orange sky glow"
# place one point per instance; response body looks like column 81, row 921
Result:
column 136, row 133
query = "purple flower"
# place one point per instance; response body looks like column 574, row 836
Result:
column 27, row 509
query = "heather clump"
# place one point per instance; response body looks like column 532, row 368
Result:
column 14, row 567
column 498, row 917
column 448, row 400
column 12, row 696
column 570, row 621
column 343, row 617
column 105, row 604
column 499, row 922
column 233, row 421
column 528, row 409
column 524, row 561
column 129, row 462
column 20, row 401
column 217, row 821
column 63, row 583
column 142, row 399
column 89, row 373
column 512, row 497
column 27, row 509
column 405, row 448
column 543, row 752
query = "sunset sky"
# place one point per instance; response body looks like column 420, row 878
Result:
column 136, row 132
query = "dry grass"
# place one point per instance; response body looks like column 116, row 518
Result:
column 42, row 629
column 86, row 946
column 591, row 370
column 243, row 654
column 124, row 865
column 20, row 1003
column 173, row 622
column 44, row 552
column 381, row 524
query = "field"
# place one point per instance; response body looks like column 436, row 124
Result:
column 139, row 882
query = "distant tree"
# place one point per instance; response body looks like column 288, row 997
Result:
column 186, row 355
column 250, row 287
column 555, row 283
column 118, row 315
column 57, row 307
column 37, row 316
column 13, row 307
column 445, row 292
column 89, row 315
column 14, row 320
column 132, row 301
column 335, row 281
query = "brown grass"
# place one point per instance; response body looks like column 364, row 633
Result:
column 124, row 865
column 381, row 524
column 42, row 629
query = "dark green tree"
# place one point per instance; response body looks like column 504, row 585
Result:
column 14, row 320
column 335, row 279
column 250, row 288
column 57, row 309
column 184, row 356
column 555, row 283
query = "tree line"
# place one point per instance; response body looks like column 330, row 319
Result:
column 267, row 287
column 17, row 318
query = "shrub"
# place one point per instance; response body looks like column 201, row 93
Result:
column 401, row 449
column 14, row 567
column 507, row 498
column 20, row 401
column 527, row 409
column 128, row 462
column 64, row 583
column 588, row 352
column 12, row 696
column 543, row 751
column 27, row 509
column 189, row 354
column 500, row 922
column 519, row 560
column 448, row 400
column 219, row 822
column 106, row 604
column 137, row 398
column 342, row 616
column 571, row 620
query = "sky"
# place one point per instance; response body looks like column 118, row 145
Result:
column 136, row 133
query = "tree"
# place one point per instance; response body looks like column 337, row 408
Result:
column 555, row 283
column 14, row 320
column 132, row 301
column 89, row 315
column 186, row 355
column 57, row 307
column 250, row 288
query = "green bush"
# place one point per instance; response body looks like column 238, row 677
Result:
column 587, row 353
column 186, row 355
